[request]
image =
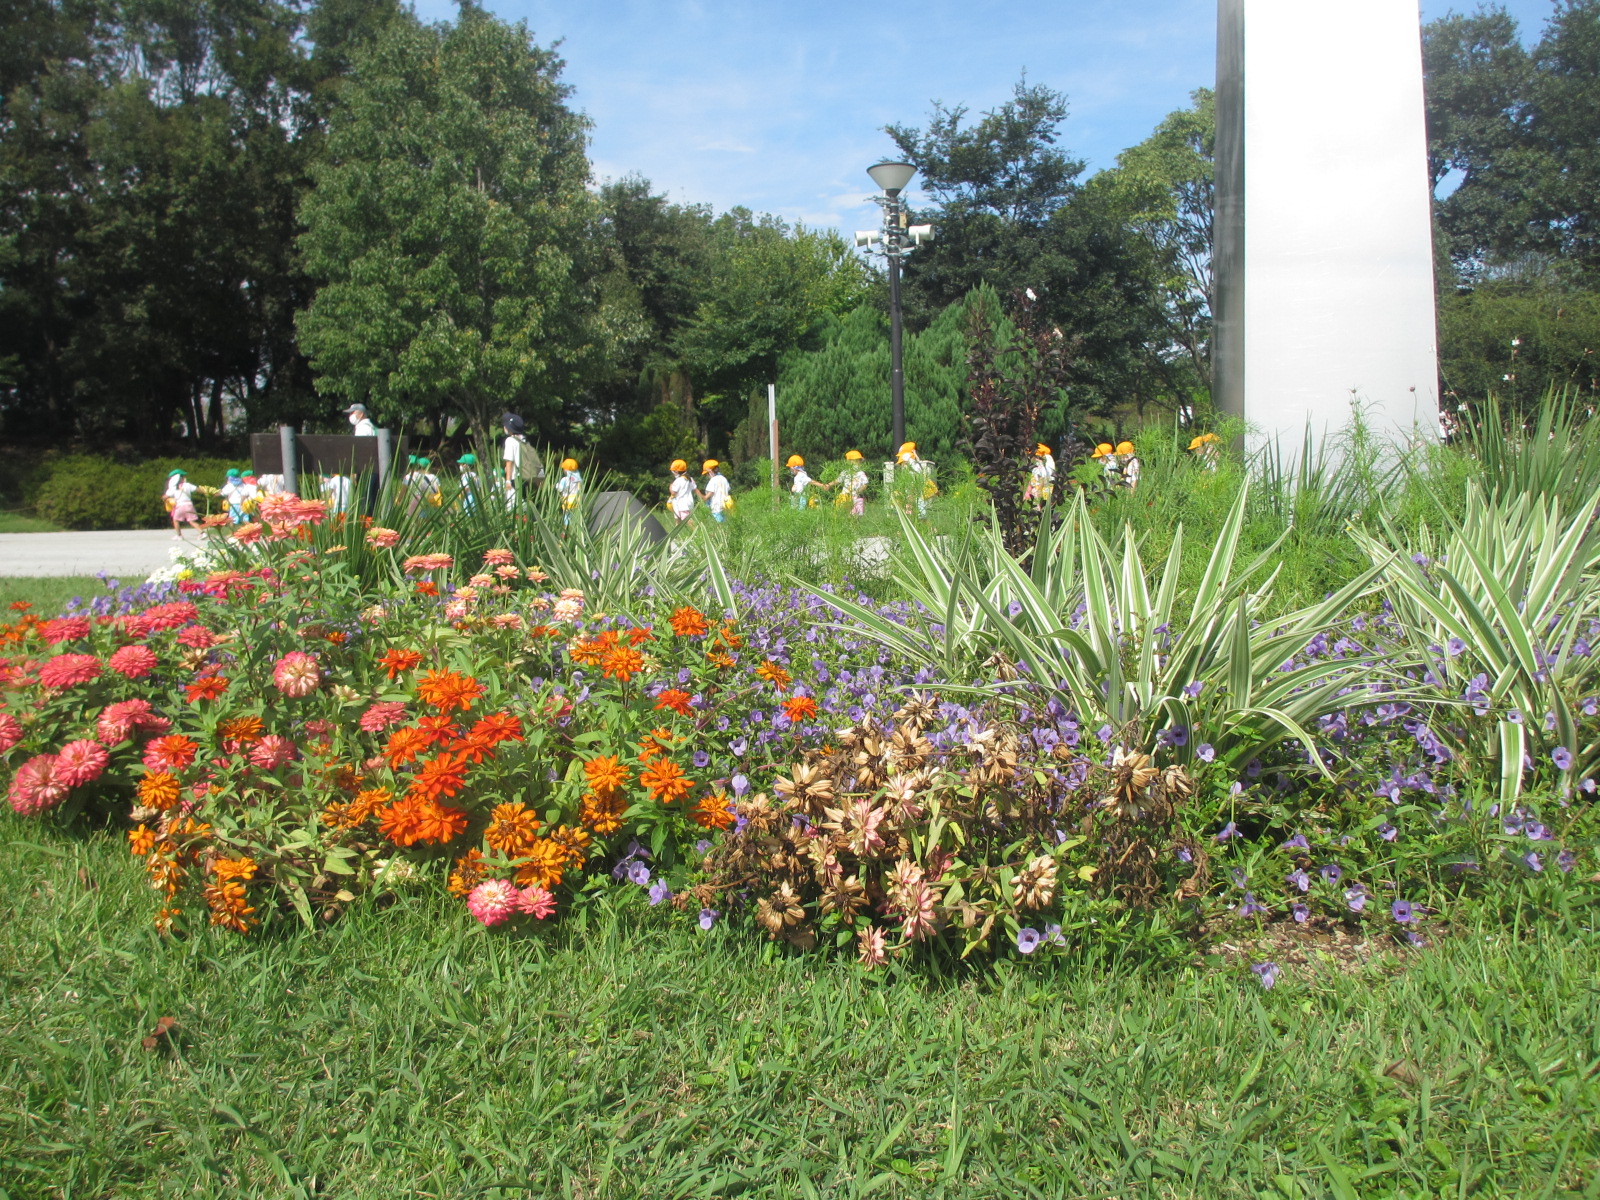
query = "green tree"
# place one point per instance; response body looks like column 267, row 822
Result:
column 449, row 226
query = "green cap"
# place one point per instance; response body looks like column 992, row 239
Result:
column 467, row 460
column 176, row 471
column 233, row 472
column 411, row 460
column 424, row 462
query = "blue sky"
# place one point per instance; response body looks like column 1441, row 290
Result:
column 780, row 106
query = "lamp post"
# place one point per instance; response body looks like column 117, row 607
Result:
column 892, row 177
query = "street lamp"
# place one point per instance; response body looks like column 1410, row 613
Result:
column 896, row 238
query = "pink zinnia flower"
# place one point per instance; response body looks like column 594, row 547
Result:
column 507, row 621
column 81, row 762
column 120, row 721
column 383, row 715
column 172, row 615
column 537, row 901
column 247, row 534
column 68, row 670
column 297, row 674
column 271, row 751
column 37, row 786
column 135, row 662
column 197, row 637
column 493, row 900
column 498, row 558
column 65, row 629
column 481, row 581
column 10, row 731
column 380, row 538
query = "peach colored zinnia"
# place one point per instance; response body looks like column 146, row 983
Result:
column 297, row 674
column 380, row 538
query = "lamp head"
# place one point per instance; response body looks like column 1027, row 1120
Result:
column 892, row 177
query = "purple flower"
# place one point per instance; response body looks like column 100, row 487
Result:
column 701, row 760
column 1401, row 911
column 740, row 785
column 1240, row 877
column 1054, row 936
column 1297, row 842
column 1299, row 912
column 1591, row 706
column 639, row 874
column 659, row 891
column 1230, row 830
column 1332, row 872
column 1356, row 898
column 702, row 846
column 1185, row 854
column 1205, row 752
column 1178, row 735
column 1514, row 716
column 1566, row 860
column 1251, row 906
column 1300, row 879
column 1532, row 862
column 1562, row 757
column 738, row 747
column 1388, row 832
column 1028, row 939
column 1454, row 647
column 1266, row 972
column 1193, row 690
column 708, row 917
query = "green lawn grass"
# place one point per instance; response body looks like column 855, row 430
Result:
column 48, row 595
column 406, row 1052
column 16, row 522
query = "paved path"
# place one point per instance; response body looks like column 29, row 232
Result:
column 129, row 554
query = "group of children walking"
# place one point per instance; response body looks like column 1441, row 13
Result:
column 240, row 494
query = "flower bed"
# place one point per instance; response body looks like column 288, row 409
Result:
column 283, row 742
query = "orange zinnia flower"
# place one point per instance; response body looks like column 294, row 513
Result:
column 605, row 775
column 676, row 699
column 230, row 907
column 713, row 812
column 468, row 873
column 666, row 781
column 588, row 652
column 241, row 729
column 442, row 775
column 496, row 728
column 601, row 813
column 621, row 663
column 229, row 869
column 141, row 841
column 688, row 622
column 728, row 637
column 639, row 636
column 512, row 830
column 159, row 790
column 777, row 675
column 800, row 708
column 405, row 744
column 425, row 587
column 207, row 687
column 720, row 659
column 439, row 729
column 546, row 862
column 446, row 690
column 414, row 819
column 395, row 661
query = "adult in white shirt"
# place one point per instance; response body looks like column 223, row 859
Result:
column 680, row 493
column 337, row 489
column 359, row 422
column 717, row 489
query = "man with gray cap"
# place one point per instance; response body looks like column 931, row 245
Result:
column 519, row 461
column 358, row 418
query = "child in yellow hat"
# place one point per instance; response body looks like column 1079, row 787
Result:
column 717, row 493
column 853, row 483
column 1041, row 476
column 1208, row 446
column 921, row 484
column 569, row 488
column 800, row 481
column 680, row 493
column 1130, row 465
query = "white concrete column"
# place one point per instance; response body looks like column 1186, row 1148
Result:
column 1324, row 255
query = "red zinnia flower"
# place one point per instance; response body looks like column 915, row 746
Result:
column 81, row 762
column 676, row 699
column 64, row 629
column 207, row 687
column 396, row 661
column 171, row 753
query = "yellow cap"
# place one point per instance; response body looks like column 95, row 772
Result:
column 853, row 455
column 679, row 465
column 569, row 464
column 1202, row 439
column 1124, row 447
column 710, row 464
column 1041, row 450
column 911, row 446
column 795, row 461
column 1100, row 451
